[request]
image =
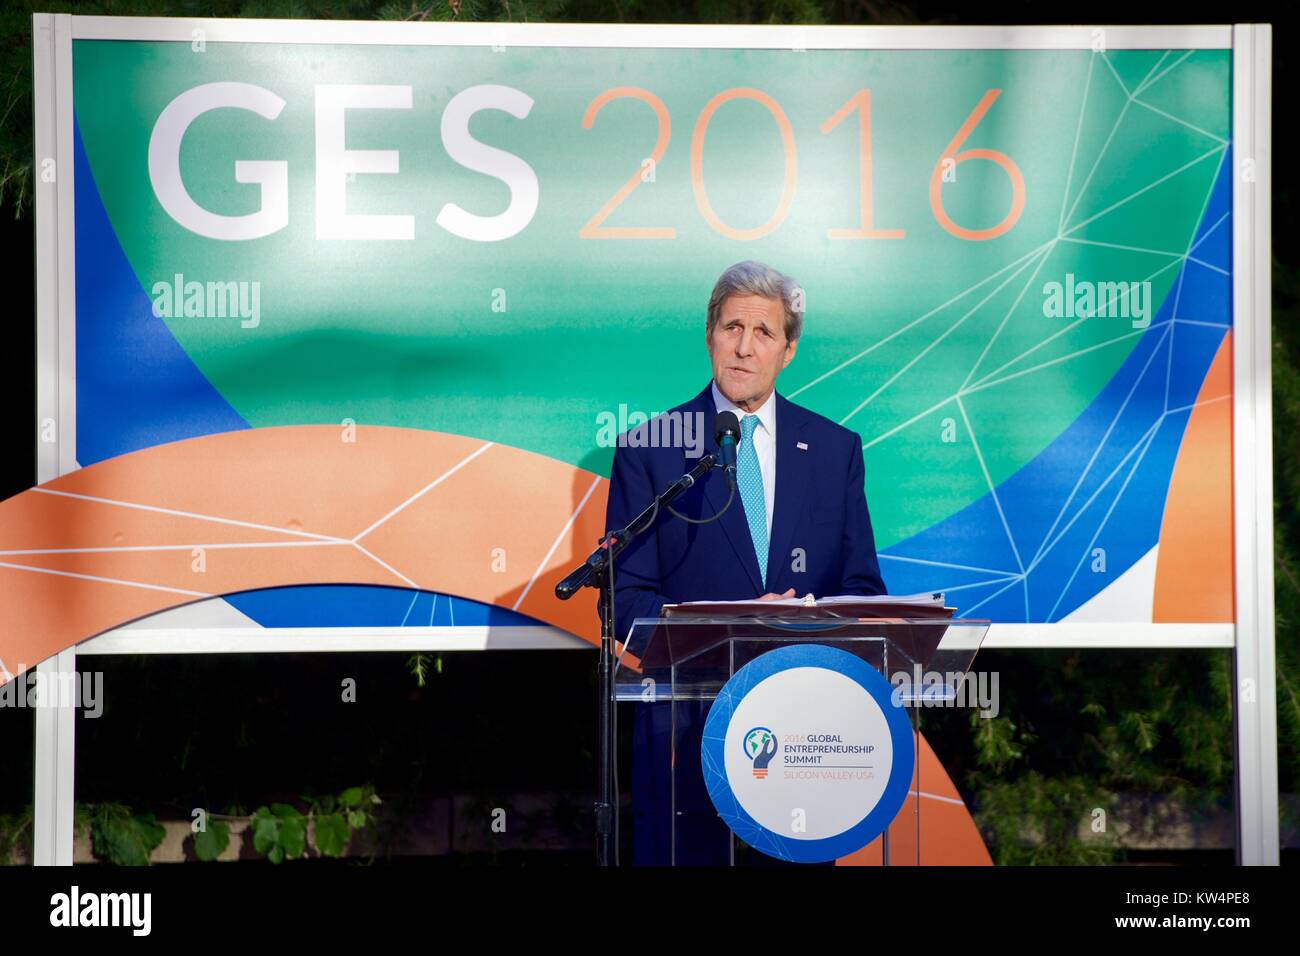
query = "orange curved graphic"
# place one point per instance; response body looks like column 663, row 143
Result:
column 316, row 504
column 1194, row 570
column 946, row 830
column 270, row 507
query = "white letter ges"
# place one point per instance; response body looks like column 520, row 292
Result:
column 165, row 164
column 497, row 163
column 335, row 164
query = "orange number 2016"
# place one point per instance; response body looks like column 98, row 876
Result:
column 593, row 229
column 993, row 156
column 861, row 102
column 697, row 163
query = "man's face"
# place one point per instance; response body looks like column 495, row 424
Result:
column 748, row 348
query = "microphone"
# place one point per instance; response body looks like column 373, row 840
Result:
column 726, row 431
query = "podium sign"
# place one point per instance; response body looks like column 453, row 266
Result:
column 808, row 751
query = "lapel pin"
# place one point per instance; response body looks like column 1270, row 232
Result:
column 802, row 446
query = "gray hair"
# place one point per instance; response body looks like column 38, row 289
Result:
column 755, row 278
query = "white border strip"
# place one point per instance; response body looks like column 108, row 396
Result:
column 1085, row 636
column 135, row 639
column 303, row 640
column 1255, row 685
column 45, row 112
column 654, row 36
column 67, row 265
column 55, row 737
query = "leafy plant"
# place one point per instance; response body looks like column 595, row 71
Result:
column 15, row 833
column 212, row 840
column 283, row 832
column 122, row 837
column 418, row 665
column 279, row 833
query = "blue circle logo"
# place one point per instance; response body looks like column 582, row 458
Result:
column 833, row 775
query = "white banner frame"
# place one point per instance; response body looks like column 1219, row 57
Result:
column 1252, row 636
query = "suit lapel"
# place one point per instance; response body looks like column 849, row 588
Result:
column 792, row 468
column 733, row 522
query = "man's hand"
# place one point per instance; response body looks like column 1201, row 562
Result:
column 776, row 597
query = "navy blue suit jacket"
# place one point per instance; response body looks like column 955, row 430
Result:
column 821, row 540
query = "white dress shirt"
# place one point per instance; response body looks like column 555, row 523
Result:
column 764, row 444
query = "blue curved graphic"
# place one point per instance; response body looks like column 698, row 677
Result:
column 1100, row 484
column 345, row 605
column 136, row 386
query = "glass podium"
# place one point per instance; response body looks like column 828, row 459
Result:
column 682, row 662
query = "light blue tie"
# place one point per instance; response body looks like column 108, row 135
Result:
column 749, row 478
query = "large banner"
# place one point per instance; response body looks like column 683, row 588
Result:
column 360, row 307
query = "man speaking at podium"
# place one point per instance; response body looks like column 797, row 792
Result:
column 798, row 525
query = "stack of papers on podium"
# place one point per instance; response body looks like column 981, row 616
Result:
column 926, row 605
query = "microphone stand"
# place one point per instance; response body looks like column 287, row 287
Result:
column 598, row 572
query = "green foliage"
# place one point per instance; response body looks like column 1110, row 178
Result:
column 1035, row 820
column 332, row 834
column 15, row 834
column 211, row 841
column 283, row 832
column 1079, row 730
column 122, row 837
column 418, row 664
column 998, row 745
column 1024, row 816
column 335, row 819
column 279, row 833
column 1286, row 510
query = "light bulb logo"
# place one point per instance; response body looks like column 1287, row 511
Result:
column 760, row 747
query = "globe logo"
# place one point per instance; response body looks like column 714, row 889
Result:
column 760, row 747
